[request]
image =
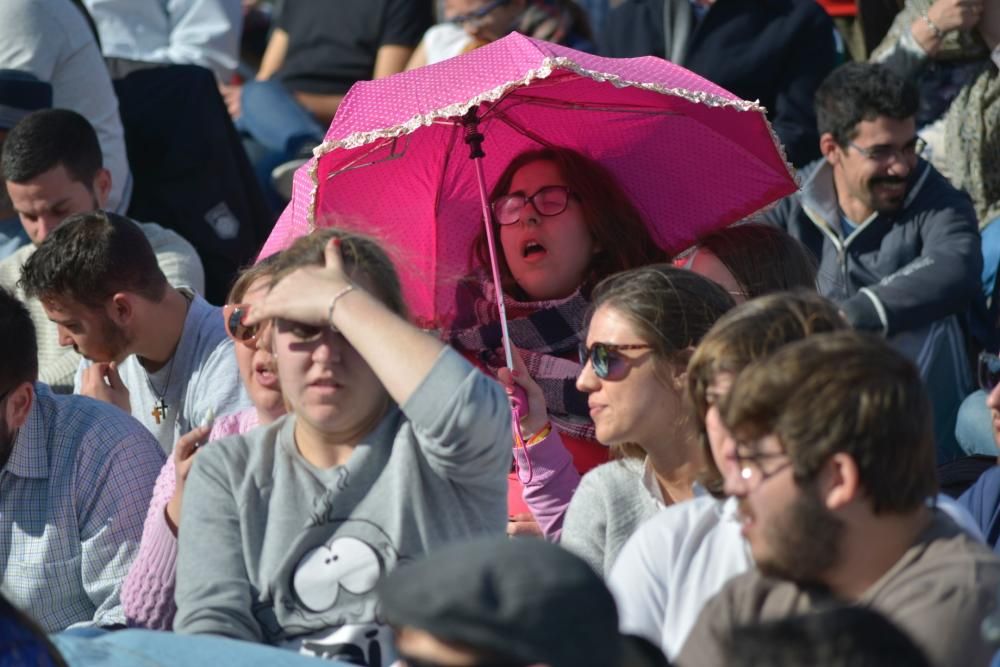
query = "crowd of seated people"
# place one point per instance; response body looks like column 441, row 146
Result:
column 776, row 447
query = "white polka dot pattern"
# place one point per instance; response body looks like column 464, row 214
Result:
column 692, row 155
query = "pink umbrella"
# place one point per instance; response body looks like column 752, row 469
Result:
column 395, row 163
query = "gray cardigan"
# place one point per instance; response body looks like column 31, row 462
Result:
column 608, row 506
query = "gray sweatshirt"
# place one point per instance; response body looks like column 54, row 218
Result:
column 273, row 549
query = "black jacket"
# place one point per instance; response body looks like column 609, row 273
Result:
column 896, row 271
column 774, row 51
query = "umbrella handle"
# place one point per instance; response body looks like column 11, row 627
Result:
column 519, row 401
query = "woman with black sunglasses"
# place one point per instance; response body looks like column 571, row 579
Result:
column 643, row 326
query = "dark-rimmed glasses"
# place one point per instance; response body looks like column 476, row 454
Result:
column 479, row 14
column 233, row 315
column 605, row 360
column 751, row 469
column 548, row 201
column 883, row 154
column 988, row 371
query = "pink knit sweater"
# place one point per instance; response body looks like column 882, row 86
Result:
column 148, row 590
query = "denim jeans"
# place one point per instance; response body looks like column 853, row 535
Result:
column 974, row 427
column 148, row 648
column 276, row 129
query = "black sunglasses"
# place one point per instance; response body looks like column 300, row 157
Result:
column 988, row 371
column 605, row 360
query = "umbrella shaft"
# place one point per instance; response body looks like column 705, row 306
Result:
column 494, row 267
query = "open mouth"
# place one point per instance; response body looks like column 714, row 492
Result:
column 265, row 375
column 532, row 249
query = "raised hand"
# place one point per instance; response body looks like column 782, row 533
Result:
column 184, row 451
column 101, row 381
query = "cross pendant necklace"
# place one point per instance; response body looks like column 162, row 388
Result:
column 160, row 410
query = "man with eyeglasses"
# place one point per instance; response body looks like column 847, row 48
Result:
column 834, row 461
column 898, row 246
column 76, row 476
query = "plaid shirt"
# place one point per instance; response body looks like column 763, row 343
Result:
column 73, row 496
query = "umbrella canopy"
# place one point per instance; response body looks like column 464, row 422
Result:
column 692, row 156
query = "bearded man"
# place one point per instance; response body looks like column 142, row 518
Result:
column 898, row 246
column 53, row 169
column 834, row 461
column 76, row 476
column 158, row 352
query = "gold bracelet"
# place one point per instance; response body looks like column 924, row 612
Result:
column 543, row 433
column 938, row 32
column 333, row 304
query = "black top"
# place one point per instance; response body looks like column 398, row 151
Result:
column 775, row 51
column 333, row 43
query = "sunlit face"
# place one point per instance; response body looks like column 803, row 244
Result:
column 790, row 531
column 706, row 264
column 325, row 382
column 90, row 331
column 638, row 407
column 864, row 185
column 548, row 256
column 256, row 364
column 719, row 438
column 46, row 200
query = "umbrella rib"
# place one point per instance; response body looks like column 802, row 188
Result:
column 393, row 155
column 517, row 127
column 576, row 106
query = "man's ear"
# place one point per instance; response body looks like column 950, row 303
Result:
column 102, row 187
column 829, row 147
column 121, row 308
column 840, row 481
column 18, row 405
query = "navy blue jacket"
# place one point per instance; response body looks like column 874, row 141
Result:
column 898, row 271
column 774, row 51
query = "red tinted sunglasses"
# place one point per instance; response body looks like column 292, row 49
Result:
column 233, row 315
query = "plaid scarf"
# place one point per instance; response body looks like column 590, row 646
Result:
column 546, row 332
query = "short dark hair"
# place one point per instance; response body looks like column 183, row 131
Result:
column 44, row 139
column 862, row 91
column 92, row 256
column 747, row 333
column 838, row 637
column 842, row 392
column 762, row 258
column 20, row 347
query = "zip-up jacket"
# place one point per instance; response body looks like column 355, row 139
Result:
column 897, row 271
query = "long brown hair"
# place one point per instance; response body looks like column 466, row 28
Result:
column 670, row 308
column 615, row 223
